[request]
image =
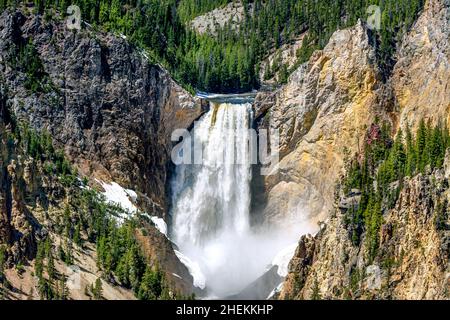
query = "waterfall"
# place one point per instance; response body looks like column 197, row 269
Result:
column 215, row 197
column 211, row 206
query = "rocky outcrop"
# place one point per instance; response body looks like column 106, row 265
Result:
column 17, row 225
column 286, row 55
column 111, row 110
column 232, row 14
column 413, row 258
column 159, row 251
column 320, row 115
column 412, row 261
column 421, row 81
column 5, row 227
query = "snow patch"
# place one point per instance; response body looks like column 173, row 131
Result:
column 194, row 270
column 122, row 197
column 160, row 224
column 283, row 258
column 125, row 198
column 132, row 194
column 276, row 290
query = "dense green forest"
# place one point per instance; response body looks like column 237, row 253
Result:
column 229, row 61
column 387, row 162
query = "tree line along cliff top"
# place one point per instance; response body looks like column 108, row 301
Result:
column 229, row 60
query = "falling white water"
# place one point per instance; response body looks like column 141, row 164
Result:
column 211, row 204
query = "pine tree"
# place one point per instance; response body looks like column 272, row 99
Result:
column 427, row 155
column 2, row 263
column 421, row 139
column 45, row 289
column 77, row 234
column 151, row 285
column 68, row 253
column 97, row 290
column 445, row 137
column 67, row 222
column 104, row 12
column 51, row 271
column 283, row 74
column 61, row 253
column 3, row 4
column 47, row 247
column 39, row 262
column 315, row 295
column 398, row 156
column 437, row 147
column 411, row 161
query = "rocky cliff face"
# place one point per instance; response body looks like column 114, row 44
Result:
column 421, row 81
column 231, row 14
column 327, row 104
column 17, row 224
column 320, row 115
column 110, row 111
column 412, row 263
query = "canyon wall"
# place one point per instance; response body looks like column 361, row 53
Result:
column 112, row 111
column 320, row 114
column 109, row 110
column 326, row 106
column 412, row 261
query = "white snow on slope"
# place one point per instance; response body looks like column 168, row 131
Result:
column 276, row 290
column 283, row 258
column 126, row 198
column 122, row 197
column 160, row 224
column 194, row 270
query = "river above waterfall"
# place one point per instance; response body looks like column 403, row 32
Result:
column 236, row 99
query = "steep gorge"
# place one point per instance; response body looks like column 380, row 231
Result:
column 112, row 113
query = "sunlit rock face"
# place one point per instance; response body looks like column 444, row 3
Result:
column 320, row 114
column 412, row 259
column 418, row 252
column 421, row 80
